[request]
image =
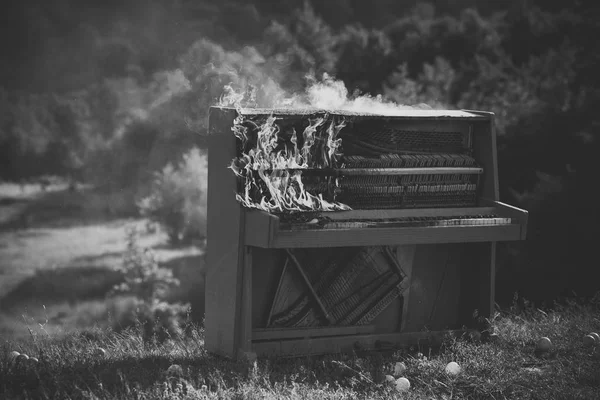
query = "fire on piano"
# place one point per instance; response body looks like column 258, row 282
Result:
column 331, row 230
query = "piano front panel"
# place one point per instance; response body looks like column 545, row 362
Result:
column 438, row 281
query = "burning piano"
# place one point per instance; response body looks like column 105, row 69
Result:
column 331, row 231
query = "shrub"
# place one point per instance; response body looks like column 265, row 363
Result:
column 178, row 198
column 144, row 278
column 145, row 285
column 156, row 319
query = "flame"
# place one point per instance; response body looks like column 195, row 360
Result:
column 281, row 171
column 333, row 143
column 309, row 139
column 287, row 194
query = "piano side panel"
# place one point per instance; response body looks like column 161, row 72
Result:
column 485, row 152
column 224, row 241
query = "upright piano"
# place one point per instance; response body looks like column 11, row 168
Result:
column 333, row 231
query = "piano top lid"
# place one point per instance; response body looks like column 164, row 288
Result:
column 386, row 112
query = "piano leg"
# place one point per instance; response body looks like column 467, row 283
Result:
column 487, row 278
column 478, row 279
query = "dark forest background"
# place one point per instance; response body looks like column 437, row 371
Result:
column 107, row 93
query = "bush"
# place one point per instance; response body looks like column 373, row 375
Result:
column 178, row 198
column 145, row 286
column 144, row 278
column 156, row 319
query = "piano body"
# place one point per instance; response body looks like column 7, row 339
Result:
column 333, row 231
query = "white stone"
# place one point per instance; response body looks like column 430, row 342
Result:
column 452, row 368
column 13, row 355
column 402, row 384
column 399, row 369
column 589, row 340
column 544, row 344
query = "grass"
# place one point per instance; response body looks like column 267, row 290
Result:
column 508, row 368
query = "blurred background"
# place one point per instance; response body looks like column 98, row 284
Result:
column 103, row 116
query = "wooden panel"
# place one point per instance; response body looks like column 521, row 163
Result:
column 403, row 115
column 293, row 333
column 340, row 344
column 261, row 227
column 396, row 236
column 224, row 241
column 434, row 289
column 485, row 152
column 445, row 312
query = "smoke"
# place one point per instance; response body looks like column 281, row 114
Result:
column 326, row 94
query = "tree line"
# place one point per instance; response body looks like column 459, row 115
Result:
column 114, row 93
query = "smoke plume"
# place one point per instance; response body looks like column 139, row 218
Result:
column 326, row 94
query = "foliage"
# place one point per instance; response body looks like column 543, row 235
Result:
column 156, row 319
column 178, row 198
column 316, row 37
column 433, row 87
column 143, row 276
column 147, row 282
column 363, row 57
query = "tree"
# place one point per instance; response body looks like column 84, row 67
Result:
column 363, row 58
column 316, row 37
